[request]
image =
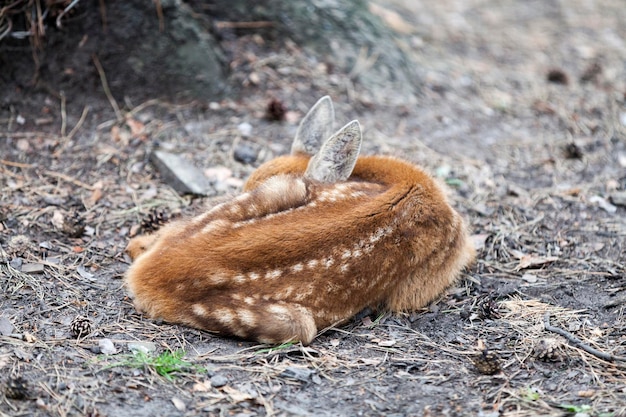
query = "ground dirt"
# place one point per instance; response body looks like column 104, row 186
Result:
column 522, row 113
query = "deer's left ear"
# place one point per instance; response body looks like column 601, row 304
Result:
column 314, row 128
column 336, row 159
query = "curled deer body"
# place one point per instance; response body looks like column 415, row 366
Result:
column 316, row 236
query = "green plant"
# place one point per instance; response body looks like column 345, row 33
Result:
column 530, row 394
column 576, row 408
column 166, row 364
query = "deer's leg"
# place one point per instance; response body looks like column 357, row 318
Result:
column 263, row 320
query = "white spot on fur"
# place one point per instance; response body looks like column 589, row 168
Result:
column 312, row 263
column 297, row 267
column 344, row 267
column 276, row 273
column 218, row 279
column 242, row 198
column 281, row 185
column 225, row 316
column 380, row 233
column 356, row 253
column 346, row 254
column 278, row 310
column 239, row 279
column 199, row 310
column 247, row 317
column 202, row 218
column 249, row 300
column 215, row 225
column 253, row 276
column 328, row 262
column 285, row 293
column 252, row 210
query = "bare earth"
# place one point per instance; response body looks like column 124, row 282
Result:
column 538, row 168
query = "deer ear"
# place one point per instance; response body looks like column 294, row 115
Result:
column 336, row 159
column 316, row 126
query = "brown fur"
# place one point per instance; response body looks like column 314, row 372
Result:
column 293, row 255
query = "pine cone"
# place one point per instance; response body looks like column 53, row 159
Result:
column 275, row 110
column 487, row 363
column 17, row 388
column 548, row 350
column 81, row 326
column 488, row 307
column 154, row 220
column 73, row 224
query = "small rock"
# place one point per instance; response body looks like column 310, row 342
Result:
column 179, row 173
column 300, row 374
column 618, row 198
column 218, row 381
column 245, row 154
column 603, row 204
column 245, row 129
column 6, row 327
column 107, row 347
column 32, row 268
column 143, row 347
column 16, row 263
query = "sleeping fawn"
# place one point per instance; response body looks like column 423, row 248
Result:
column 316, row 237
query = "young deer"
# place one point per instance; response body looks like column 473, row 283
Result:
column 316, row 237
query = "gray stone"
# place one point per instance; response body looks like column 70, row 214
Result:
column 107, row 347
column 618, row 198
column 245, row 153
column 179, row 173
column 218, row 381
column 32, row 268
column 6, row 327
column 143, row 347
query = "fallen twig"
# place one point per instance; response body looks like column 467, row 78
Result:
column 579, row 343
column 105, row 87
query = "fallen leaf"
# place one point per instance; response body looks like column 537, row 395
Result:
column 115, row 133
column 77, row 249
column 235, row 395
column 95, row 196
column 202, row 386
column 57, row 219
column 136, row 127
column 84, row 273
column 479, row 240
column 528, row 261
column 392, row 19
column 179, row 404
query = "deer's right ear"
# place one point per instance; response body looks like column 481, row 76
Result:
column 336, row 159
column 314, row 128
